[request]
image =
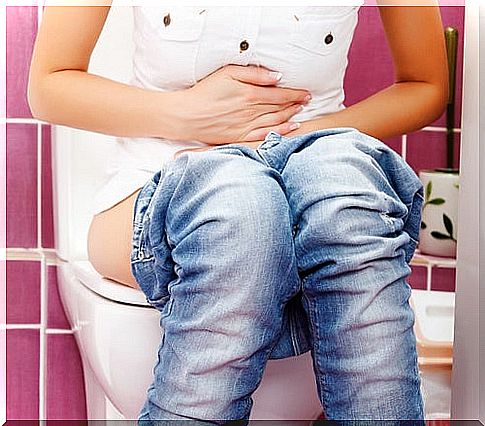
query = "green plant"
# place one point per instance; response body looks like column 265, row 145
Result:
column 449, row 229
column 430, row 201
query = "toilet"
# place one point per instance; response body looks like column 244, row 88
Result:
column 116, row 330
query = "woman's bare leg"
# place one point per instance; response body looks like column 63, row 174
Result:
column 109, row 242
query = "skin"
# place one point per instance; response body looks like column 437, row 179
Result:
column 243, row 103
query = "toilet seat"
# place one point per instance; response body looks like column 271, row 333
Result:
column 106, row 288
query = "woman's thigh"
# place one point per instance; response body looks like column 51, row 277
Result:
column 109, row 242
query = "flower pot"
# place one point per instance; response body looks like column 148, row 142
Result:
column 440, row 212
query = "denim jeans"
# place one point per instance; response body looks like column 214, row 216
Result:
column 301, row 244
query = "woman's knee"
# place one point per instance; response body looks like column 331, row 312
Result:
column 231, row 195
column 343, row 199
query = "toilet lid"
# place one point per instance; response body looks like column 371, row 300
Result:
column 92, row 279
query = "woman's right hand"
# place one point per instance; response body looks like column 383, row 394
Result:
column 237, row 104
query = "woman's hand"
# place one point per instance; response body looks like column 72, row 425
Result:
column 237, row 104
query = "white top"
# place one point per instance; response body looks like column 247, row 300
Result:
column 176, row 46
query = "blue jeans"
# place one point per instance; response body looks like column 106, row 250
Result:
column 301, row 244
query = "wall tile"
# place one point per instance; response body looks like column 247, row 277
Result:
column 65, row 398
column 370, row 63
column 47, row 210
column 21, row 31
column 395, row 143
column 22, row 374
column 21, row 185
column 23, row 292
column 56, row 318
column 417, row 279
column 427, row 150
column 444, row 279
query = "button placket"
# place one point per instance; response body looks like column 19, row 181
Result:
column 249, row 34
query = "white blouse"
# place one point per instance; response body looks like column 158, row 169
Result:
column 176, row 46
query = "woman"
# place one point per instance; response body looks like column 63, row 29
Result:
column 253, row 244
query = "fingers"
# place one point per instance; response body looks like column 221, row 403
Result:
column 261, row 80
column 259, row 76
column 277, row 117
column 282, row 129
column 278, row 95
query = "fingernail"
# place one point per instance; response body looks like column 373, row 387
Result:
column 307, row 98
column 275, row 75
column 299, row 108
column 295, row 126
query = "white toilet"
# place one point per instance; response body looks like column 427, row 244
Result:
column 117, row 332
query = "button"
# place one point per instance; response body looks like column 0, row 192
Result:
column 166, row 20
column 244, row 45
column 328, row 38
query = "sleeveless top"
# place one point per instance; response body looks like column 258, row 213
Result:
column 176, row 46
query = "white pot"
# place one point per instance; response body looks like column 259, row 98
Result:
column 440, row 213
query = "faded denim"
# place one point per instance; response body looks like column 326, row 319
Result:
column 302, row 244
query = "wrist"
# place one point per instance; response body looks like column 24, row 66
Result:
column 172, row 116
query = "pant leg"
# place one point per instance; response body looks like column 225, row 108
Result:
column 222, row 268
column 351, row 252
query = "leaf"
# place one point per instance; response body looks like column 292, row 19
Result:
column 423, row 225
column 437, row 201
column 440, row 236
column 429, row 188
column 448, row 224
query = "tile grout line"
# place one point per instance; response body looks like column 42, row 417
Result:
column 404, row 146
column 429, row 272
column 24, row 120
column 14, row 254
column 43, row 267
column 43, row 338
column 438, row 129
column 34, row 327
column 20, row 326
column 39, row 186
column 59, row 331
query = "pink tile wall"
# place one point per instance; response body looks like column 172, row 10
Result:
column 25, row 278
column 21, row 185
column 56, row 317
column 65, row 398
column 21, row 31
column 22, row 374
column 427, row 150
column 46, row 210
column 23, row 292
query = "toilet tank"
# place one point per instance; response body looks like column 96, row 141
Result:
column 79, row 158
